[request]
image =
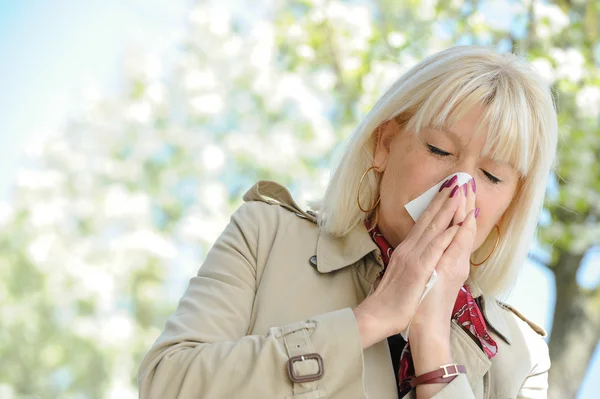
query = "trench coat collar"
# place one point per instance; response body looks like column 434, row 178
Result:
column 334, row 253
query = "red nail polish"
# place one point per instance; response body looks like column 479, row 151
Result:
column 444, row 185
column 454, row 190
column 448, row 183
column 476, row 212
column 465, row 189
column 460, row 224
column 473, row 185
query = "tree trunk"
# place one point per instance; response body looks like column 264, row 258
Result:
column 575, row 329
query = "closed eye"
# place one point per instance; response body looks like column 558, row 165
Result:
column 492, row 178
column 437, row 151
column 441, row 153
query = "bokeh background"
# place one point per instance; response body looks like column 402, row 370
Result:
column 130, row 129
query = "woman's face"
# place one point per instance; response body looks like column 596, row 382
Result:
column 411, row 165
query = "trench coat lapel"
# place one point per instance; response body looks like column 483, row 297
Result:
column 492, row 313
column 465, row 351
column 334, row 253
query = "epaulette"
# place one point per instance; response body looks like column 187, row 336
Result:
column 274, row 193
column 531, row 324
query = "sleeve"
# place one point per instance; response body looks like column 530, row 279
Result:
column 457, row 388
column 535, row 385
column 204, row 352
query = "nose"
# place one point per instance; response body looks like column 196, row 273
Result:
column 468, row 170
column 466, row 166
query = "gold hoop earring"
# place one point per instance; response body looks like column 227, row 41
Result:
column 358, row 193
column 495, row 246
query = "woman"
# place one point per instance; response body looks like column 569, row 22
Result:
column 298, row 304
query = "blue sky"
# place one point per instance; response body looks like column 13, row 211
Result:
column 53, row 50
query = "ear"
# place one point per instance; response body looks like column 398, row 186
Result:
column 384, row 136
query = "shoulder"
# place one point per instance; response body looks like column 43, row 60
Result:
column 262, row 221
column 267, row 196
column 528, row 337
column 267, row 207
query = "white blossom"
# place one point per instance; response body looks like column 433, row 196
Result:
column 232, row 46
column 588, row 101
column 6, row 214
column 117, row 329
column 305, row 51
column 119, row 202
column 207, row 104
column 544, row 68
column 41, row 248
column 396, row 39
column 201, row 228
column 140, row 112
column 556, row 19
column 212, row 194
column 570, row 63
column 156, row 92
column 213, row 158
column 147, row 241
column 426, row 9
column 219, row 20
column 200, row 79
column 38, row 179
column 295, row 31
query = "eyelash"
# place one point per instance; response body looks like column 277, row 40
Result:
column 438, row 152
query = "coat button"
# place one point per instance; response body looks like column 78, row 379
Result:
column 313, row 260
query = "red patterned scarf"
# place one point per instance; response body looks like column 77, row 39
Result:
column 466, row 312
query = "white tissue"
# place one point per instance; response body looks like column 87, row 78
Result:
column 415, row 208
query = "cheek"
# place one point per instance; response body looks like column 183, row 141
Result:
column 493, row 206
column 392, row 192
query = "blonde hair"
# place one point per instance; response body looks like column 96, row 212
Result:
column 521, row 121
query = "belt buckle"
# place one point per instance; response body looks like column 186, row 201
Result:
column 309, row 377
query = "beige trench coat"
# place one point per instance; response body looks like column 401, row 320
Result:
column 274, row 286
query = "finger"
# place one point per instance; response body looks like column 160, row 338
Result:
column 441, row 198
column 459, row 250
column 469, row 191
column 471, row 196
column 432, row 254
column 438, row 223
column 469, row 200
column 461, row 211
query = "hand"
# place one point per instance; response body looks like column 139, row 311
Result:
column 389, row 309
column 434, row 313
